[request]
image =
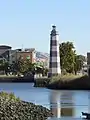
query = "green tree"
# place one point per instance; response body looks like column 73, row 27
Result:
column 23, row 66
column 4, row 66
column 18, row 66
column 79, row 62
column 67, row 57
column 1, row 65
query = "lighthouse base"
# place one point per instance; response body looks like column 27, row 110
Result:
column 54, row 74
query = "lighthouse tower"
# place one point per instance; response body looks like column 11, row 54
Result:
column 54, row 62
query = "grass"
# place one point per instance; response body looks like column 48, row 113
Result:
column 64, row 78
column 9, row 96
column 70, row 82
column 43, row 82
column 65, row 82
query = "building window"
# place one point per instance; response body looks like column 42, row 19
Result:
column 28, row 57
column 21, row 57
column 6, row 56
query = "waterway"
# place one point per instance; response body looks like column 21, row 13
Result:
column 64, row 104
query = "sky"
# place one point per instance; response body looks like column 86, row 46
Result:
column 27, row 23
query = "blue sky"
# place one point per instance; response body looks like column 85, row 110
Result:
column 28, row 23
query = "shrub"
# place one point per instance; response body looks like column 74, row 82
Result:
column 63, row 78
column 9, row 96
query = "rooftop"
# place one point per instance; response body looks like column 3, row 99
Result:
column 5, row 47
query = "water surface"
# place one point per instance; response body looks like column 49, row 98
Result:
column 64, row 104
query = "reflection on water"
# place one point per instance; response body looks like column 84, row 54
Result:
column 63, row 104
column 69, row 103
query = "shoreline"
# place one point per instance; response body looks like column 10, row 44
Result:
column 13, row 108
column 78, row 83
column 81, row 83
column 16, row 79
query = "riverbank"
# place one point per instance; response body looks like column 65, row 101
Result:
column 66, row 82
column 41, row 82
column 71, row 82
column 16, row 79
column 12, row 108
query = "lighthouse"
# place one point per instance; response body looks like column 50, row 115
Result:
column 54, row 61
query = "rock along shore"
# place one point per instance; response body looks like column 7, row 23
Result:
column 12, row 108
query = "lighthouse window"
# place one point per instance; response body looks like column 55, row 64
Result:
column 54, row 38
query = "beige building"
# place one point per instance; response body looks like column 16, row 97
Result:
column 23, row 54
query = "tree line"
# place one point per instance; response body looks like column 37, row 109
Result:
column 22, row 67
column 69, row 60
